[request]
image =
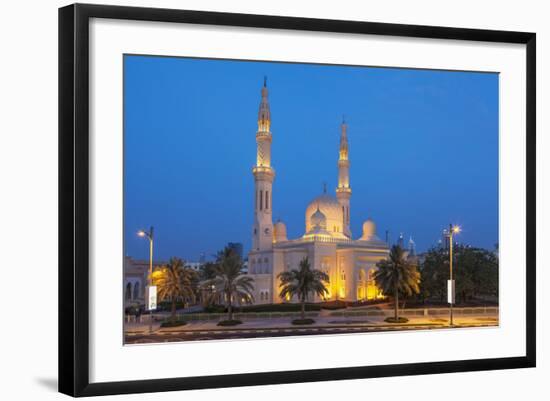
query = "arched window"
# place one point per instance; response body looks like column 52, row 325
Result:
column 129, row 291
column 261, row 295
column 370, row 275
column 136, row 290
column 261, row 199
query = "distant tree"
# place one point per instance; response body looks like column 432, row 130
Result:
column 475, row 272
column 433, row 274
column 229, row 282
column 175, row 282
column 207, row 271
column 397, row 275
column 302, row 283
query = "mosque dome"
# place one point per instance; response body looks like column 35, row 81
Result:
column 369, row 230
column 279, row 232
column 332, row 211
column 318, row 219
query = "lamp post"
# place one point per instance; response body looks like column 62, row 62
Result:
column 149, row 235
column 451, row 287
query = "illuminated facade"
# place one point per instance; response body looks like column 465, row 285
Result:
column 327, row 241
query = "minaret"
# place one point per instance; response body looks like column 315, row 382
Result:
column 262, row 237
column 343, row 192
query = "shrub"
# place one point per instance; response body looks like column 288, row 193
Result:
column 167, row 305
column 303, row 321
column 367, row 302
column 334, row 305
column 233, row 322
column 215, row 309
column 135, row 309
column 400, row 319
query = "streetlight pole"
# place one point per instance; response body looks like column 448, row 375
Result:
column 451, row 289
column 149, row 235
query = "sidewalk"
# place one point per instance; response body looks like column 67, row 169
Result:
column 320, row 322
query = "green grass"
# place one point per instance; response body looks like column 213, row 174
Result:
column 302, row 321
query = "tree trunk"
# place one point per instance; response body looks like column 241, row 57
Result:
column 173, row 318
column 396, row 302
column 303, row 309
column 229, row 308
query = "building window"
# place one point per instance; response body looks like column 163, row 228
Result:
column 261, row 199
column 136, row 290
column 128, row 291
column 266, row 200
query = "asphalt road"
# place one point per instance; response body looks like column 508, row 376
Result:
column 161, row 336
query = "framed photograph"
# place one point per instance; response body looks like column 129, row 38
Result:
column 250, row 199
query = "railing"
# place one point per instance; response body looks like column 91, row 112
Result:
column 195, row 317
column 419, row 312
column 198, row 317
column 327, row 239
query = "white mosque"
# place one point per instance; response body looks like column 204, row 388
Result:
column 327, row 241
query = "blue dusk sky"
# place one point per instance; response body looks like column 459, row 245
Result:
column 423, row 150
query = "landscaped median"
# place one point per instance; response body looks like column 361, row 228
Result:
column 289, row 317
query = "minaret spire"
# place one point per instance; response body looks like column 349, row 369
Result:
column 264, row 174
column 343, row 192
column 264, row 113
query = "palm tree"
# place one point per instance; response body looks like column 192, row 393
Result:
column 230, row 282
column 175, row 282
column 396, row 274
column 302, row 282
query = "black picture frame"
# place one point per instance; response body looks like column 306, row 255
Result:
column 74, row 198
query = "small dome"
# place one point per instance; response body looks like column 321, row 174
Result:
column 318, row 219
column 279, row 232
column 332, row 210
column 369, row 230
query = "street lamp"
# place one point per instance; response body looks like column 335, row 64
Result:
column 149, row 235
column 451, row 285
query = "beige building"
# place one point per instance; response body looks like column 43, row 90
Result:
column 327, row 241
column 136, row 273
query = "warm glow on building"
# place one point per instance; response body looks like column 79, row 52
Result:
column 327, row 241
